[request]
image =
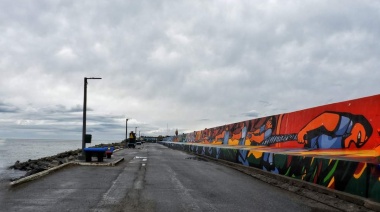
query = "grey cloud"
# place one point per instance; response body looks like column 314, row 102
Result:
column 7, row 108
column 175, row 63
column 63, row 109
column 251, row 113
column 78, row 108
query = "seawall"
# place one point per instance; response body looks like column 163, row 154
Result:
column 336, row 145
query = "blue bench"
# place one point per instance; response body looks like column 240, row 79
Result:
column 98, row 152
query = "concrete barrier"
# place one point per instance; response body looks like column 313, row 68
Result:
column 336, row 146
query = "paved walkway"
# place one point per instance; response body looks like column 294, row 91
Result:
column 155, row 178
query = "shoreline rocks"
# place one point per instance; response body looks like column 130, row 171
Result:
column 41, row 164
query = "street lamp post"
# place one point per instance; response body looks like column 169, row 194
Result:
column 84, row 113
column 126, row 130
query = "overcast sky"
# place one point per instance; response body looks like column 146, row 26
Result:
column 185, row 65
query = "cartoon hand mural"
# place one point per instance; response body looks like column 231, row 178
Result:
column 358, row 136
column 302, row 136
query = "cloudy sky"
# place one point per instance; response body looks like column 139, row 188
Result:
column 185, row 65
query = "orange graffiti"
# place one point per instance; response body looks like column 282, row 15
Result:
column 359, row 170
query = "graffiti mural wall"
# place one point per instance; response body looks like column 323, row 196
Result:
column 335, row 145
column 349, row 124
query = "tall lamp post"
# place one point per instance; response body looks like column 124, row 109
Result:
column 126, row 130
column 84, row 113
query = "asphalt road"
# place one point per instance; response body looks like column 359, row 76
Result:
column 152, row 178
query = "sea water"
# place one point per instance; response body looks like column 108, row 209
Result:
column 12, row 150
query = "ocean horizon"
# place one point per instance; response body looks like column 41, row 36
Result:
column 13, row 149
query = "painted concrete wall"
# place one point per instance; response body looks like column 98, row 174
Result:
column 353, row 124
column 335, row 145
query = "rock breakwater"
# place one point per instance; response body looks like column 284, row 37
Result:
column 34, row 166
